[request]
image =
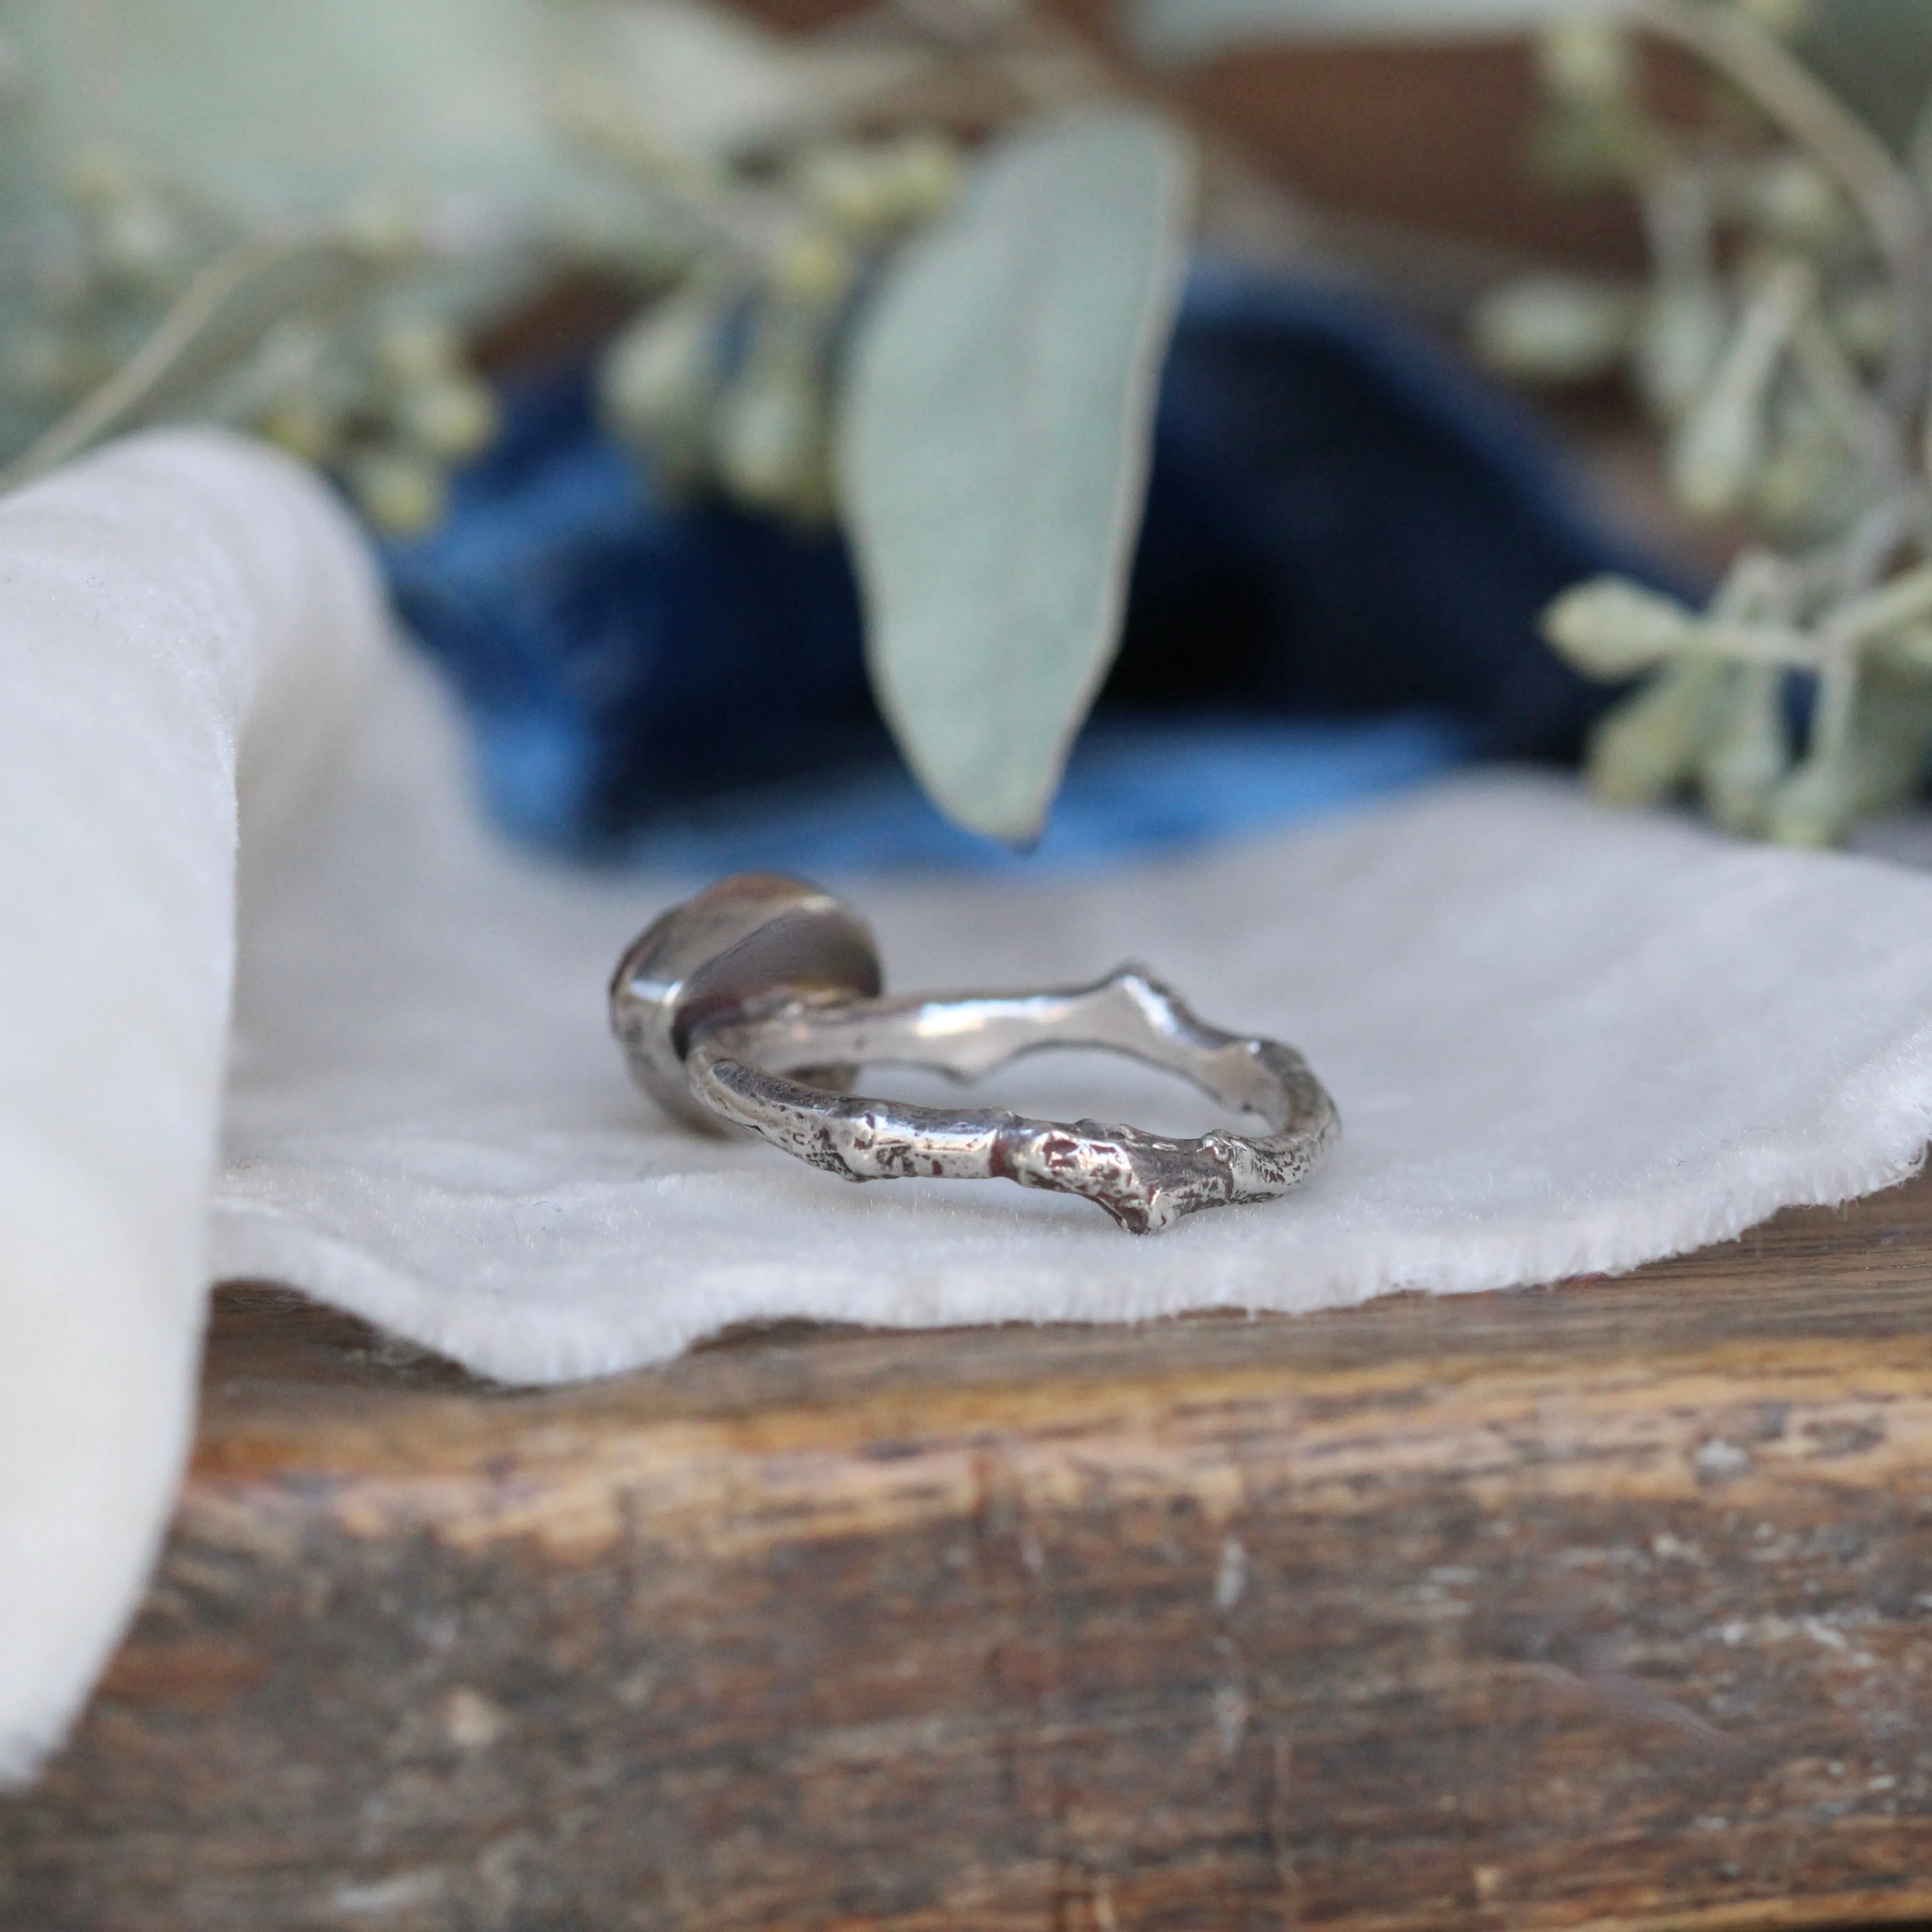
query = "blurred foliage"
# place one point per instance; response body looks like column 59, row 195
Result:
column 1026, row 339
column 1784, row 341
column 296, row 220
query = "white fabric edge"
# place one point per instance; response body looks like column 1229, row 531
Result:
column 1891, row 1103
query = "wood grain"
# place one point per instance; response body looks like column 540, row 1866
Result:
column 1609, row 1605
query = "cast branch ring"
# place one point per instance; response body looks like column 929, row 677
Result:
column 753, row 1005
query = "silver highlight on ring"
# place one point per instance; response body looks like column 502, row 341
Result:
column 755, row 1004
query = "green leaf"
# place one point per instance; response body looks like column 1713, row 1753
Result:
column 995, row 424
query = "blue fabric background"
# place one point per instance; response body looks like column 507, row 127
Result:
column 1347, row 540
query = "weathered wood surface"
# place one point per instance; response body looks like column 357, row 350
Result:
column 1607, row 1605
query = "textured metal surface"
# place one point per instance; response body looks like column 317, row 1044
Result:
column 714, row 1038
column 1146, row 1181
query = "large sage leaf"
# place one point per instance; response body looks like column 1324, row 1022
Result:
column 995, row 421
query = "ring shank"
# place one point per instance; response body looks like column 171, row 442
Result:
column 736, row 1067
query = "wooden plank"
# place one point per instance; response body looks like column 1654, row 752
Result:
column 1609, row 1605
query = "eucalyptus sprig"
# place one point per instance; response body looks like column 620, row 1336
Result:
column 726, row 381
column 160, row 305
column 949, row 348
column 1783, row 341
column 913, row 275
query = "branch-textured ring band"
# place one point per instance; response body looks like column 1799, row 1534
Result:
column 753, row 1005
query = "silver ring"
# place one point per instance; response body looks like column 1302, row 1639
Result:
column 762, row 977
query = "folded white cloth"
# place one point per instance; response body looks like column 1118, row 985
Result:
column 1560, row 1042
column 153, row 604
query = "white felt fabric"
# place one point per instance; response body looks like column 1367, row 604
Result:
column 1561, row 1041
column 156, row 602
